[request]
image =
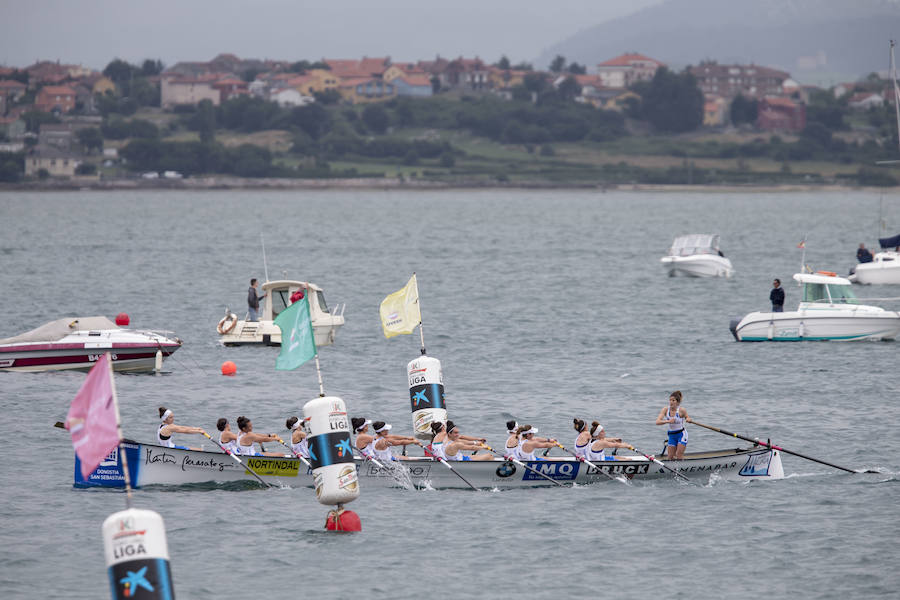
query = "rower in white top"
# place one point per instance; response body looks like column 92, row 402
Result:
column 528, row 443
column 384, row 440
column 457, row 443
column 227, row 438
column 299, row 441
column 596, row 451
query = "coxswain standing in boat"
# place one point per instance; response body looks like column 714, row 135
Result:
column 364, row 440
column 528, row 443
column 299, row 441
column 584, row 438
column 675, row 416
column 384, row 440
column 246, row 438
column 167, row 427
column 457, row 443
column 227, row 438
column 512, row 440
column 596, row 450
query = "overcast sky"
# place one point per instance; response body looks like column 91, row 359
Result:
column 93, row 32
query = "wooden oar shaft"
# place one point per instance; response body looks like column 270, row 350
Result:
column 771, row 446
column 238, row 460
column 458, row 474
column 372, row 458
column 524, row 466
column 302, row 459
column 660, row 463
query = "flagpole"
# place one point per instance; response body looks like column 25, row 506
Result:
column 421, row 327
column 115, row 398
column 265, row 264
column 319, row 373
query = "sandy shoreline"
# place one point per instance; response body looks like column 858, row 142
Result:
column 236, row 183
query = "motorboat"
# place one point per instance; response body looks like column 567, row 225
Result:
column 829, row 310
column 885, row 265
column 150, row 464
column 76, row 343
column 697, row 255
column 325, row 322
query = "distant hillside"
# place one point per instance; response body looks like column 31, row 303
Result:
column 817, row 41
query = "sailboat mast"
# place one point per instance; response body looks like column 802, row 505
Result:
column 893, row 75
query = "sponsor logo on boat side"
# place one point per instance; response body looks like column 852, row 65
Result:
column 189, row 462
column 112, row 459
column 154, row 457
column 562, row 471
column 506, row 470
column 418, row 471
column 703, row 468
column 278, row 467
column 619, row 468
column 757, row 465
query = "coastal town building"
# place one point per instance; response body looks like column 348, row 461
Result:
column 727, row 81
column 175, row 90
column 626, row 69
column 780, row 114
column 865, row 100
column 56, row 162
column 55, row 98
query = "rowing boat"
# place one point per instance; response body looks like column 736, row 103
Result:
column 151, row 464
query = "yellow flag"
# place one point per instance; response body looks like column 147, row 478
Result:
column 400, row 310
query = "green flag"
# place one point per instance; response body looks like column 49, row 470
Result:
column 298, row 344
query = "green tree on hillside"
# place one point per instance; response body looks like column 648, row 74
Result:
column 503, row 63
column 151, row 67
column 558, row 64
column 743, row 110
column 91, row 139
column 376, row 118
column 673, row 102
column 575, row 69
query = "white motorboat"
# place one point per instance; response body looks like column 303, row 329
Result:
column 149, row 464
column 829, row 310
column 697, row 255
column 325, row 322
column 77, row 343
column 884, row 268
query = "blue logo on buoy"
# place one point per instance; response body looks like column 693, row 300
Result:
column 132, row 581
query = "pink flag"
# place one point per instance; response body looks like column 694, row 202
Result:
column 92, row 418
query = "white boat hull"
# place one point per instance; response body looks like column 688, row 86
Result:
column 268, row 334
column 885, row 270
column 150, row 464
column 697, row 265
column 814, row 325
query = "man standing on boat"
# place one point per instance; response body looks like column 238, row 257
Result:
column 863, row 255
column 776, row 296
column 253, row 300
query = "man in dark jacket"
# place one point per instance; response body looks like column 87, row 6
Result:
column 776, row 296
column 863, row 255
column 253, row 300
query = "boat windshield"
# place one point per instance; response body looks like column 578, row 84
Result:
column 321, row 298
column 688, row 245
column 281, row 299
column 829, row 294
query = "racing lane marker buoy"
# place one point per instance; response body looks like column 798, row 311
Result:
column 122, row 319
column 229, row 368
column 426, row 394
column 137, row 555
column 331, row 456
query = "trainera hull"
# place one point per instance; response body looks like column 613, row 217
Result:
column 698, row 265
column 150, row 464
column 816, row 325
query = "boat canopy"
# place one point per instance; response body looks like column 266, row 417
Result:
column 890, row 242
column 696, row 243
column 826, row 289
column 279, row 293
column 60, row 328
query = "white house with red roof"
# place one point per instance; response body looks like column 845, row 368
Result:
column 865, row 100
column 626, row 69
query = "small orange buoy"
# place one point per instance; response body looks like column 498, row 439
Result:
column 229, row 368
column 343, row 520
column 122, row 319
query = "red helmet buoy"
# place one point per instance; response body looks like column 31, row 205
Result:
column 343, row 520
column 122, row 319
column 229, row 368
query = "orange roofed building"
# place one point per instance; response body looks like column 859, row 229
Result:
column 780, row 114
column 624, row 70
column 55, row 98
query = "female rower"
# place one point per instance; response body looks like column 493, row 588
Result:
column 584, row 438
column 457, row 443
column 439, row 437
column 528, row 443
column 227, row 438
column 365, row 441
column 596, row 450
column 675, row 416
column 247, row 438
column 512, row 441
column 167, row 427
column 384, row 440
column 299, row 441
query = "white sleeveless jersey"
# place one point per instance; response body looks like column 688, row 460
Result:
column 522, row 455
column 167, row 442
column 580, row 451
column 592, row 454
column 678, row 425
column 245, row 450
column 383, row 455
column 437, row 448
column 369, row 450
column 458, row 456
column 230, row 446
column 301, row 448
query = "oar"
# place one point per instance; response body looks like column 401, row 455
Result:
column 774, row 447
column 660, row 463
column 457, row 473
column 586, row 461
column 364, row 457
column 305, row 462
column 239, row 461
column 524, row 466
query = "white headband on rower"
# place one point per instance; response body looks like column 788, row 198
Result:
column 166, row 415
column 532, row 430
column 513, row 430
column 385, row 427
column 361, row 427
column 297, row 425
column 595, row 431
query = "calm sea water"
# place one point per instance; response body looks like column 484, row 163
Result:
column 541, row 305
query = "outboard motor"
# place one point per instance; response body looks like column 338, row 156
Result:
column 735, row 321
